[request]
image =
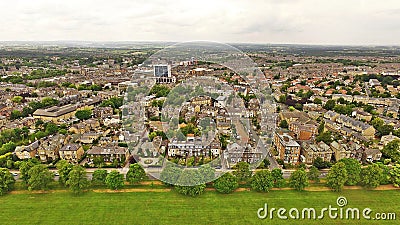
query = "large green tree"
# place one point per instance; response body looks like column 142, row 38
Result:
column 51, row 128
column 24, row 168
column 190, row 183
column 395, row 175
column 115, row 180
column 298, row 179
column 6, row 181
column 7, row 147
column 283, row 124
column 99, row 177
column 226, row 184
column 371, row 176
column 77, row 179
column 313, row 174
column 83, row 114
column 15, row 114
column 385, row 178
column 170, row 174
column 262, row 181
column 337, row 176
column 242, row 171
column 135, row 174
column 330, row 104
column 64, row 168
column 207, row 173
column 114, row 102
column 160, row 90
column 353, row 168
column 17, row 99
column 277, row 177
column 392, row 151
column 39, row 177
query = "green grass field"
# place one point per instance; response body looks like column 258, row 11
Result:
column 172, row 208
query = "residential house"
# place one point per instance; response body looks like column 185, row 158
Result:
column 388, row 138
column 236, row 153
column 374, row 82
column 312, row 151
column 303, row 131
column 71, row 152
column 102, row 112
column 312, row 107
column 108, row 153
column 364, row 129
column 79, row 128
column 192, row 146
column 348, row 98
column 220, row 102
column 393, row 111
column 373, row 154
column 361, row 115
column 27, row 152
column 92, row 123
column 287, row 147
column 50, row 146
column 340, row 151
column 89, row 137
column 331, row 115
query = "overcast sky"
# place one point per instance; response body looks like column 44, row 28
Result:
column 259, row 21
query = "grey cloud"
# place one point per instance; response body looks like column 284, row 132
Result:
column 276, row 21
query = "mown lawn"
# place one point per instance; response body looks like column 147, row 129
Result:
column 172, row 208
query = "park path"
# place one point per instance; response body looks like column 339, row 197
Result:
column 166, row 189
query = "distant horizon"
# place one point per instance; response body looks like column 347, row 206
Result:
column 174, row 42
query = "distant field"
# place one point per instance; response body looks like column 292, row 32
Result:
column 172, row 208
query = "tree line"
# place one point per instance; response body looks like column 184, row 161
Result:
column 191, row 182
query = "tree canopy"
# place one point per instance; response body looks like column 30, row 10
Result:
column 277, row 177
column 226, row 184
column 83, row 114
column 99, row 177
column 371, row 176
column 391, row 151
column 24, row 168
column 337, row 176
column 313, row 174
column 77, row 179
column 395, row 175
column 242, row 171
column 170, row 174
column 6, row 181
column 135, row 174
column 39, row 178
column 64, row 168
column 283, row 124
column 262, row 181
column 353, row 168
column 115, row 180
column 207, row 173
column 189, row 183
column 298, row 179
